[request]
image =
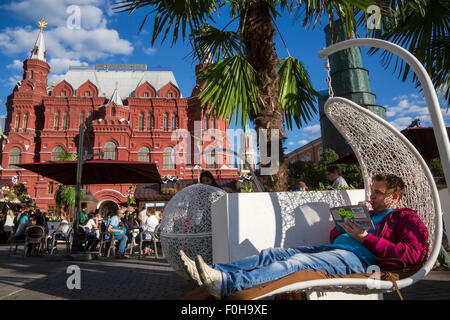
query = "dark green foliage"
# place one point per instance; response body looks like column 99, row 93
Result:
column 315, row 177
column 436, row 169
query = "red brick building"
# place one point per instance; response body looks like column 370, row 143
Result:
column 131, row 114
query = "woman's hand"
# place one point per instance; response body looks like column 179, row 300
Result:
column 355, row 231
column 365, row 203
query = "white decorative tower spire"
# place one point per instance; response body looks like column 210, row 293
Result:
column 247, row 150
column 39, row 51
column 115, row 97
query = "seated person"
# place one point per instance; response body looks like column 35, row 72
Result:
column 91, row 229
column 60, row 232
column 115, row 226
column 398, row 241
column 83, row 214
column 334, row 175
column 63, row 225
column 23, row 223
column 148, row 227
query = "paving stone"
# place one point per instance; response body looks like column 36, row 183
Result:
column 38, row 278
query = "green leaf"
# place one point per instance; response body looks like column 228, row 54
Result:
column 421, row 27
column 175, row 15
column 296, row 94
column 213, row 44
column 230, row 89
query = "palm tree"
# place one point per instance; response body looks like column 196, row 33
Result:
column 245, row 78
column 422, row 27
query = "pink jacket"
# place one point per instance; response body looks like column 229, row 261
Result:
column 400, row 240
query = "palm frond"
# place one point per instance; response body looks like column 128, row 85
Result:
column 296, row 93
column 175, row 15
column 310, row 11
column 423, row 29
column 212, row 44
column 230, row 89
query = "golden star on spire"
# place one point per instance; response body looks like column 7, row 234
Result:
column 117, row 84
column 42, row 24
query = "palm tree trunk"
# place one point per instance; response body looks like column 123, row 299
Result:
column 258, row 34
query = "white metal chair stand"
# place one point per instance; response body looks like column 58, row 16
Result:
column 380, row 148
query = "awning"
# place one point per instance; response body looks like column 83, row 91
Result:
column 96, row 171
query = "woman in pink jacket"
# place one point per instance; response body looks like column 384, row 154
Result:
column 399, row 240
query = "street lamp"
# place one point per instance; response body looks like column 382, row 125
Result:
column 82, row 155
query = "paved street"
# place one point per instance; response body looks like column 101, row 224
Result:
column 39, row 278
column 35, row 278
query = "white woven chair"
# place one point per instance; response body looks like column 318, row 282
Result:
column 380, row 148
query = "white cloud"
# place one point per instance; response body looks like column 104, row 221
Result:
column 402, row 122
column 55, row 77
column 408, row 108
column 303, row 142
column 56, row 12
column 16, row 64
column 150, row 51
column 94, row 40
column 312, row 129
column 13, row 80
column 62, row 42
column 59, row 65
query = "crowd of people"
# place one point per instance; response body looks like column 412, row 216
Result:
column 126, row 224
column 14, row 222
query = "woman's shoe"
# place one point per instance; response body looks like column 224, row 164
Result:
column 190, row 267
column 210, row 277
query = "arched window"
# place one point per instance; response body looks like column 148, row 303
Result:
column 166, row 122
column 213, row 122
column 211, row 159
column 14, row 157
column 25, row 122
column 141, row 121
column 144, row 154
column 56, row 122
column 169, row 159
column 110, row 150
column 149, row 121
column 17, row 122
column 205, row 122
column 174, row 121
column 56, row 153
column 65, row 121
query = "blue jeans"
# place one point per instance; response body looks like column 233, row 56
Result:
column 123, row 239
column 275, row 263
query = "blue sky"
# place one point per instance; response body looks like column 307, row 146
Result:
column 108, row 37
